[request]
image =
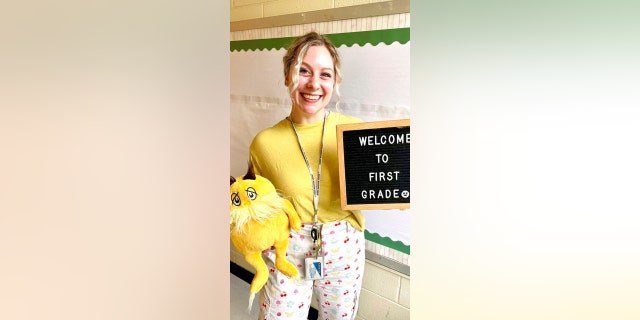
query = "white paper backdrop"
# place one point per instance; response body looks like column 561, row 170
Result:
column 375, row 87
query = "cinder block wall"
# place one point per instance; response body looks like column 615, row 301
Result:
column 256, row 9
column 385, row 293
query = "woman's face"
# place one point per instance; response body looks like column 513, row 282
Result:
column 315, row 85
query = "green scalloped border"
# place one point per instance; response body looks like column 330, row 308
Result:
column 387, row 242
column 374, row 37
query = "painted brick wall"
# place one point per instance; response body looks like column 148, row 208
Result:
column 255, row 9
column 385, row 294
column 392, row 21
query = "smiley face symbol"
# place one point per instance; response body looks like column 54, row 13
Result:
column 405, row 194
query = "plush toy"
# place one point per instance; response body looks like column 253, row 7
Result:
column 261, row 219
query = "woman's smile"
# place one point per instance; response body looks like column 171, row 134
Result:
column 311, row 97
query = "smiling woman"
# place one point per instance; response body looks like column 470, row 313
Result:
column 312, row 71
column 315, row 86
column 330, row 247
column 372, row 51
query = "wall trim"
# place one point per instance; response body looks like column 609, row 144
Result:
column 374, row 37
column 389, row 263
column 343, row 13
column 387, row 242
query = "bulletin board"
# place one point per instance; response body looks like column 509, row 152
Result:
column 375, row 87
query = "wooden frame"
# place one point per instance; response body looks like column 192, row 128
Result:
column 368, row 127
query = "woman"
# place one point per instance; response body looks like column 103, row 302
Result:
column 299, row 156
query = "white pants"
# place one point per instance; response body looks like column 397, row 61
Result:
column 336, row 294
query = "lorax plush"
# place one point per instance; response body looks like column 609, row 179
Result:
column 261, row 219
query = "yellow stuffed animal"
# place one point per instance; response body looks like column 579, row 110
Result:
column 261, row 219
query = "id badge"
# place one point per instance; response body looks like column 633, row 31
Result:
column 314, row 268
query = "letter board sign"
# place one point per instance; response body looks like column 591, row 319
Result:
column 374, row 164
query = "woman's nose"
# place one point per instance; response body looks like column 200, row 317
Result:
column 313, row 82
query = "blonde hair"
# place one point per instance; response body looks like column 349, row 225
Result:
column 296, row 52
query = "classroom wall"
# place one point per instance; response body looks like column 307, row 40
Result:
column 259, row 99
column 387, row 277
column 255, row 9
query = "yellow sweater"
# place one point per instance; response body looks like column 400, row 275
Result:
column 275, row 154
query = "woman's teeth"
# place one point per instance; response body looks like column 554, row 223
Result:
column 311, row 96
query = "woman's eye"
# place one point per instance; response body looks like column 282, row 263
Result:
column 327, row 75
column 304, row 71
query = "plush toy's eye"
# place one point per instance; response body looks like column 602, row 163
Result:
column 251, row 193
column 235, row 199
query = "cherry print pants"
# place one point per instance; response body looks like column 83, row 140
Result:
column 336, row 294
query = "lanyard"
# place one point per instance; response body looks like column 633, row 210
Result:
column 315, row 184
